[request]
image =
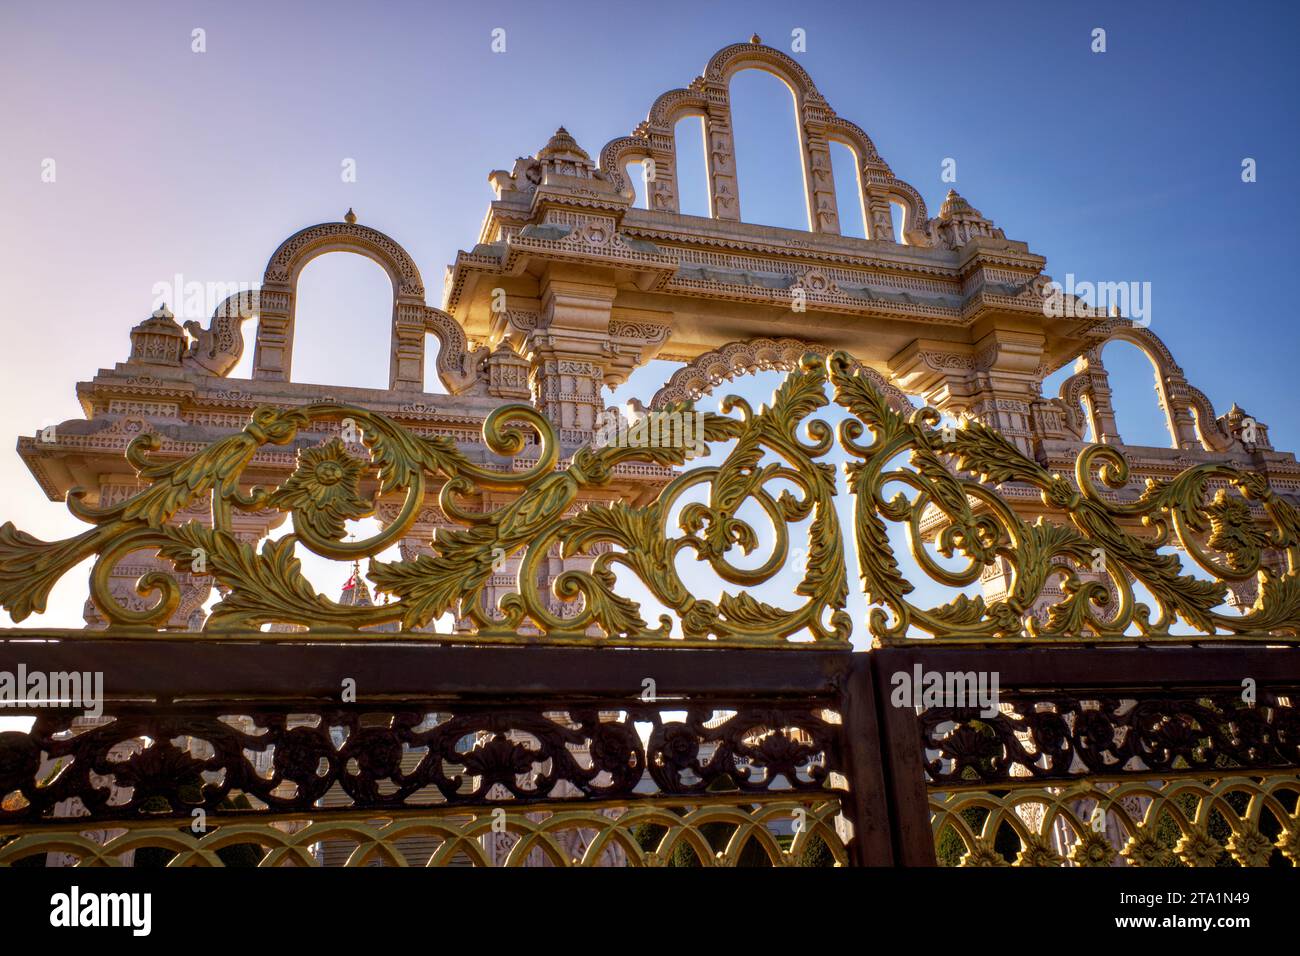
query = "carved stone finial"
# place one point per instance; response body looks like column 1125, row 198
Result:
column 162, row 312
column 507, row 373
column 563, row 146
column 959, row 222
column 955, row 207
column 350, row 217
column 756, row 39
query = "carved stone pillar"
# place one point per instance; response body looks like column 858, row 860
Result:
column 661, row 191
column 569, row 354
column 880, row 217
column 1004, row 383
column 724, row 190
column 997, row 383
column 1173, row 395
column 823, row 211
column 1010, row 416
column 568, row 393
column 274, row 353
column 406, row 365
column 1101, row 412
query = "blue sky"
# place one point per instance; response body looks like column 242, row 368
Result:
column 1116, row 166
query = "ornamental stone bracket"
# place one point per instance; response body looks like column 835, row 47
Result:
column 995, row 382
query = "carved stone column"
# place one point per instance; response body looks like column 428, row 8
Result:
column 1175, row 398
column 823, row 210
column 406, row 366
column 1004, row 383
column 880, row 217
column 724, row 190
column 1101, row 412
column 997, row 382
column 568, row 393
column 569, row 352
column 274, row 353
column 661, row 191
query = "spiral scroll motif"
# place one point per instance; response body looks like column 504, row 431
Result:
column 331, row 486
column 945, row 484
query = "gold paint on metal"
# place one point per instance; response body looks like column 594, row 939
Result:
column 1162, row 822
column 957, row 477
column 290, row 839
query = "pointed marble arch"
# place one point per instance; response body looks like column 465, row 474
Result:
column 276, row 305
column 706, row 372
column 709, row 97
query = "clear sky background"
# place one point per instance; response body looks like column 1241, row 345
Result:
column 1117, row 166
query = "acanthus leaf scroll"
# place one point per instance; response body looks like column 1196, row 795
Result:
column 958, row 479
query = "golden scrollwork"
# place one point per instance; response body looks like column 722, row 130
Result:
column 326, row 489
column 1101, row 547
column 956, row 474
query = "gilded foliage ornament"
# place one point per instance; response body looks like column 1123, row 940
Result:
column 324, row 490
column 1099, row 548
column 330, row 486
column 945, row 487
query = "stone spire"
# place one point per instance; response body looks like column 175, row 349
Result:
column 355, row 592
column 959, row 222
column 563, row 146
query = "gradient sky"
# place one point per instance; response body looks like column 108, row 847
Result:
column 1120, row 166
